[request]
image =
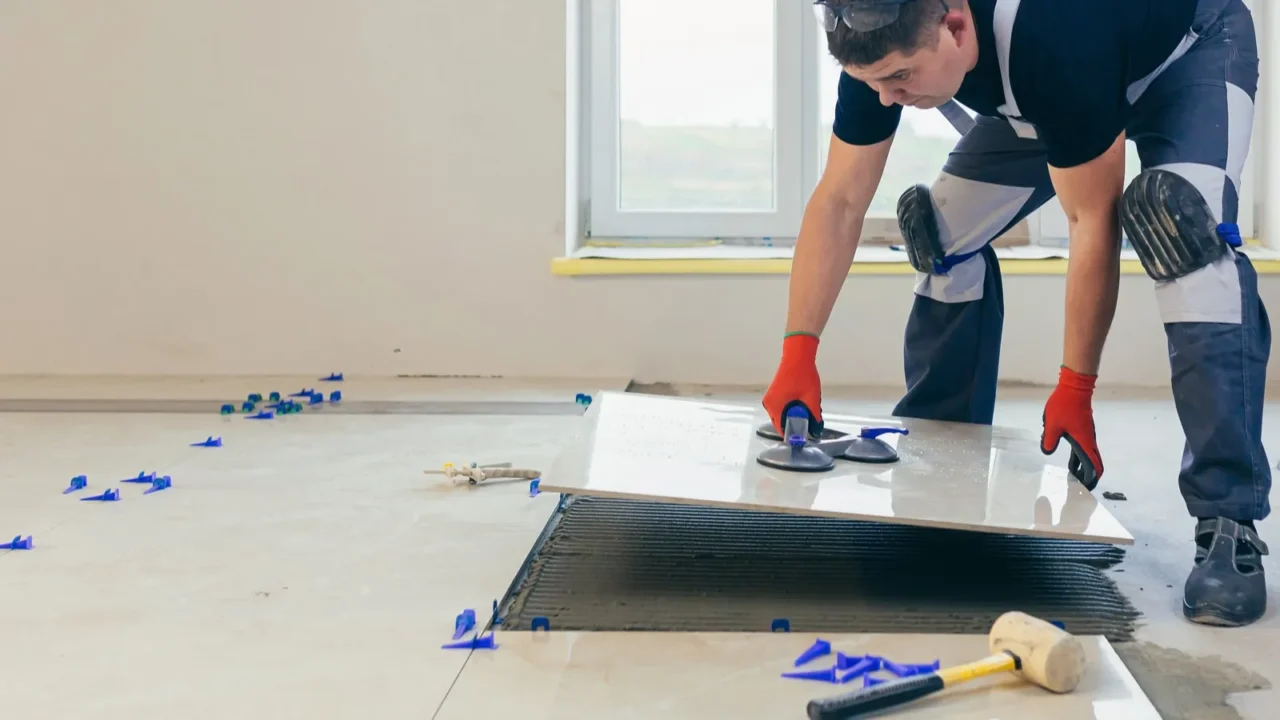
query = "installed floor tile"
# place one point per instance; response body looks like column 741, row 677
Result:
column 691, row 676
column 305, row 569
column 950, row 475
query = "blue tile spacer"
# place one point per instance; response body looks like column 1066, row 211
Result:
column 464, row 623
column 19, row 543
column 540, row 622
column 476, row 643
column 780, row 625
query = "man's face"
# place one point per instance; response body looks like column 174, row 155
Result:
column 930, row 76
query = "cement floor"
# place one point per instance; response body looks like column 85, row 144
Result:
column 309, row 568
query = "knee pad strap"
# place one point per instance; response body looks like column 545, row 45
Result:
column 919, row 227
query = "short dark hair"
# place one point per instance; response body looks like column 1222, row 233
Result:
column 915, row 28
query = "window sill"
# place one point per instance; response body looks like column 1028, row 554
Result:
column 714, row 259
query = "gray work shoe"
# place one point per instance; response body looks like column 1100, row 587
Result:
column 1227, row 586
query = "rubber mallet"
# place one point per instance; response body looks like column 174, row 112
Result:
column 1029, row 647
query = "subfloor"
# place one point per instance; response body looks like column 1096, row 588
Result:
column 309, row 568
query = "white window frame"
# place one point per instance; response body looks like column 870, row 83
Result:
column 792, row 21
column 594, row 107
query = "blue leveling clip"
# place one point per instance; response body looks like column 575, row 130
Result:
column 582, row 399
column 877, row 432
column 335, row 396
column 464, row 623
column 333, row 377
column 211, row 442
column 111, row 495
column 818, row 649
column 540, row 622
column 254, row 398
column 844, row 662
column 19, row 543
column 160, row 483
column 262, row 415
column 247, row 406
column 868, row 664
column 475, row 643
column 228, row 409
column 828, row 675
column 780, row 624
column 274, row 397
column 78, row 482
column 533, row 487
column 143, row 478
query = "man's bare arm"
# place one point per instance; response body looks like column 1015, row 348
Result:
column 1090, row 194
column 830, row 230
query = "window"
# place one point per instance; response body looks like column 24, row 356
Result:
column 695, row 113
column 709, row 120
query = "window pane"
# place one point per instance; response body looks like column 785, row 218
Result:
column 924, row 140
column 695, row 83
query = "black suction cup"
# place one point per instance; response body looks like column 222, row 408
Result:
column 798, row 459
column 866, row 446
column 796, row 454
column 870, row 450
column 767, row 432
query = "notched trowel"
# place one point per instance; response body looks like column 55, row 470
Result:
column 801, row 453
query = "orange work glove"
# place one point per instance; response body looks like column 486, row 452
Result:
column 1069, row 414
column 796, row 382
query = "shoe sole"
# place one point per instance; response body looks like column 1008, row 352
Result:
column 1215, row 617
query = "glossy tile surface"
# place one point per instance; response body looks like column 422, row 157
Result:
column 950, row 475
column 692, row 676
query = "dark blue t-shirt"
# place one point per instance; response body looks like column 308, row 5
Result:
column 1070, row 65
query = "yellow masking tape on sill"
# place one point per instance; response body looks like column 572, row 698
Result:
column 578, row 267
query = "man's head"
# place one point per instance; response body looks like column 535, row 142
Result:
column 913, row 52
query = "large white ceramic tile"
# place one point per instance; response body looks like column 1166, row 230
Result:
column 692, row 676
column 302, row 570
column 950, row 475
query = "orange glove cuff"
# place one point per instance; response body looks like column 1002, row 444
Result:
column 1069, row 379
column 799, row 346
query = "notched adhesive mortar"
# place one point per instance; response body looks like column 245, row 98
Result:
column 609, row 564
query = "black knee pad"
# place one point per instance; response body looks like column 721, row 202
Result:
column 1170, row 225
column 919, row 227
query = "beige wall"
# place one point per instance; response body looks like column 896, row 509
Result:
column 374, row 186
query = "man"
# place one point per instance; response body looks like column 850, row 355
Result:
column 1058, row 85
